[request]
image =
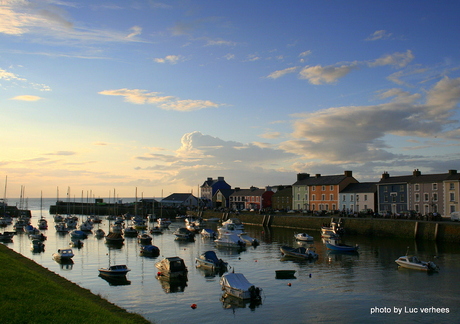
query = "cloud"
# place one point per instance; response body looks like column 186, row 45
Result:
column 229, row 56
column 327, row 74
column 9, row 76
column 172, row 59
column 136, row 30
column 220, row 42
column 357, row 133
column 280, row 73
column 397, row 59
column 139, row 96
column 61, row 153
column 379, row 34
column 271, row 135
column 27, row 98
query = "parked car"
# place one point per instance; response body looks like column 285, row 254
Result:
column 455, row 216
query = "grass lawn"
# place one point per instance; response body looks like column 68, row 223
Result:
column 30, row 293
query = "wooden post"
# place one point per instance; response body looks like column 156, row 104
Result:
column 415, row 230
column 436, row 231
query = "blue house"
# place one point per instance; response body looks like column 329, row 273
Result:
column 210, row 187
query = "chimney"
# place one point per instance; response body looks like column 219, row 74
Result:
column 237, row 189
column 452, row 172
column 385, row 175
column 302, row 176
column 348, row 173
column 317, row 175
column 220, row 178
column 416, row 173
column 209, row 179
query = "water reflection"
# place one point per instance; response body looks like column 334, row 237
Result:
column 231, row 302
column 116, row 281
column 172, row 285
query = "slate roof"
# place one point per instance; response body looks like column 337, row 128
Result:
column 177, row 197
column 248, row 192
column 360, row 187
column 421, row 178
column 321, row 180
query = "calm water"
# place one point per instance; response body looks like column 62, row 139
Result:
column 337, row 288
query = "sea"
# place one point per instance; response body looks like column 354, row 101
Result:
column 366, row 287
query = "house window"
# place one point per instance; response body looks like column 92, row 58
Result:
column 401, row 198
column 452, row 208
column 435, row 197
column 426, row 197
column 401, row 188
column 351, row 197
column 333, row 207
column 323, row 188
column 344, row 198
column 416, row 187
column 435, row 186
column 357, row 197
column 323, row 197
column 417, row 208
column 393, row 198
column 332, row 188
column 331, row 197
column 451, row 186
column 313, row 197
column 452, row 196
column 385, row 198
column 417, row 197
column 385, row 189
column 313, row 188
column 298, row 196
column 365, row 197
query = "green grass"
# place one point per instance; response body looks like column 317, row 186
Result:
column 30, row 293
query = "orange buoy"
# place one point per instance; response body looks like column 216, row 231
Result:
column 289, row 284
column 158, row 273
column 193, row 306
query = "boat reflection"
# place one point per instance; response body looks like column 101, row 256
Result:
column 231, row 302
column 211, row 273
column 66, row 265
column 172, row 285
column 116, row 281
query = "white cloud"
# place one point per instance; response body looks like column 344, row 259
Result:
column 280, row 73
column 136, row 30
column 379, row 34
column 27, row 98
column 139, row 96
column 172, row 59
column 327, row 74
column 396, row 59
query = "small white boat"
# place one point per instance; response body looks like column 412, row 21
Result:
column 61, row 227
column 300, row 252
column 6, row 236
column 236, row 284
column 236, row 222
column 303, row 237
column 119, row 270
column 183, row 234
column 208, row 233
column 230, row 240
column 63, row 255
column 172, row 267
column 412, row 262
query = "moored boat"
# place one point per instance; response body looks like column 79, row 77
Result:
column 172, row 267
column 183, row 234
column 144, row 239
column 236, row 284
column 149, row 250
column 230, row 240
column 284, row 274
column 303, row 237
column 114, row 238
column 99, row 233
column 119, row 270
column 63, row 255
column 210, row 260
column 300, row 252
column 412, row 262
column 337, row 246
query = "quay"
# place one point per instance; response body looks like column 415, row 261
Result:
column 442, row 231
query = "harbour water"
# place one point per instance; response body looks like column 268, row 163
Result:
column 336, row 288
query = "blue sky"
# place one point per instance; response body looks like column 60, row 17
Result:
column 104, row 95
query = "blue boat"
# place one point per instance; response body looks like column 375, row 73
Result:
column 336, row 246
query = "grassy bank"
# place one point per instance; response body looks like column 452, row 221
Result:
column 30, row 293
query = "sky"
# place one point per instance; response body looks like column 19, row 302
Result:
column 113, row 98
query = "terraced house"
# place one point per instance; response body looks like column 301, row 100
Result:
column 319, row 193
column 424, row 194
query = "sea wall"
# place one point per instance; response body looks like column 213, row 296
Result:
column 446, row 231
